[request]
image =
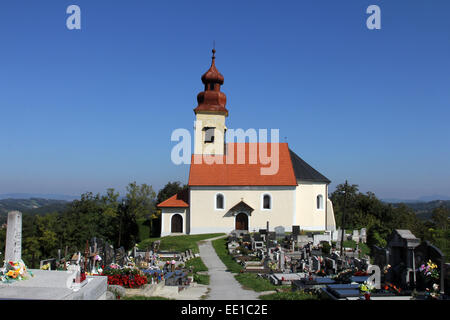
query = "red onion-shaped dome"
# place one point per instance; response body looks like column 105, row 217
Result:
column 212, row 99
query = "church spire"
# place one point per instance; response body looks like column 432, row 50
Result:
column 212, row 100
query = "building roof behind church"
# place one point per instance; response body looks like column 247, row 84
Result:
column 304, row 171
column 179, row 200
column 224, row 173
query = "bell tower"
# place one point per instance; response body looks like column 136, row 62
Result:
column 210, row 114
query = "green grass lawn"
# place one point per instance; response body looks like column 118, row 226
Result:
column 220, row 245
column 255, row 283
column 296, row 295
column 178, row 243
column 201, row 278
column 197, row 264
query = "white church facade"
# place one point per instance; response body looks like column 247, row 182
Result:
column 231, row 187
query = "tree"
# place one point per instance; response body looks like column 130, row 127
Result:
column 169, row 190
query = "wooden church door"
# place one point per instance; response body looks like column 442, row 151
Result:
column 241, row 221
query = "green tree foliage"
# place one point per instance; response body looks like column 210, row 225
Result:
column 380, row 219
column 169, row 190
column 94, row 215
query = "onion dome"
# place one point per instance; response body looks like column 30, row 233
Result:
column 212, row 100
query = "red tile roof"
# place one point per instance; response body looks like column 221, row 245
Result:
column 179, row 200
column 223, row 173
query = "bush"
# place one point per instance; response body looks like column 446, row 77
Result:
column 326, row 248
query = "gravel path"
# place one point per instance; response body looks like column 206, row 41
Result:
column 223, row 285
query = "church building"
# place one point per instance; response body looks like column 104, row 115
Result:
column 226, row 195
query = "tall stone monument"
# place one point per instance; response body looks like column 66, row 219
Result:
column 13, row 250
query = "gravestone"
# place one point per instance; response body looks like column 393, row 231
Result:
column 272, row 235
column 318, row 238
column 279, row 231
column 363, row 235
column 315, row 263
column 427, row 251
column 13, row 250
column 330, row 264
column 262, row 231
column 380, row 256
column 257, row 237
column 282, row 260
column 355, row 236
column 109, row 254
column 120, row 256
column 295, row 230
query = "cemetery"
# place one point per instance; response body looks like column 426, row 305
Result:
column 299, row 263
column 99, row 273
column 314, row 263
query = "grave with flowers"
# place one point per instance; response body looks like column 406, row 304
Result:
column 18, row 282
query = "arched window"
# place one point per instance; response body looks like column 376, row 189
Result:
column 220, row 201
column 319, row 201
column 267, row 202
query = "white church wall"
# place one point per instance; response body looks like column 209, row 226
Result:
column 205, row 218
column 308, row 216
column 331, row 223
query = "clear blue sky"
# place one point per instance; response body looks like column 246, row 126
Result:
column 91, row 109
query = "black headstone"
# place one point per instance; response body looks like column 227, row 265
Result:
column 295, row 230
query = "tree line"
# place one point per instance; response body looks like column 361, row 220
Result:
column 380, row 219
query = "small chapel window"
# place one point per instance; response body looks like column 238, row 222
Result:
column 219, row 201
column 267, row 202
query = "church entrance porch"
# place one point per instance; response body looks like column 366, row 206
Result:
column 241, row 221
column 177, row 224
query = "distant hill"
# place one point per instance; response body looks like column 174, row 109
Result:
column 424, row 210
column 38, row 196
column 30, row 206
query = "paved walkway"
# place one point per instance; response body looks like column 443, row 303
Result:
column 223, row 285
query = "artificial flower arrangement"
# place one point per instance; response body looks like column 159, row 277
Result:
column 46, row 266
column 366, row 288
column 429, row 270
column 389, row 287
column 13, row 271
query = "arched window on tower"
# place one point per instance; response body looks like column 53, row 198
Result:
column 220, row 201
column 319, row 202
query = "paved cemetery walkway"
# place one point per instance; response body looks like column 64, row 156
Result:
column 222, row 283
